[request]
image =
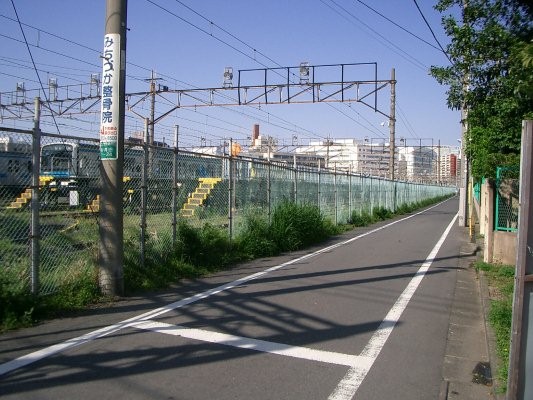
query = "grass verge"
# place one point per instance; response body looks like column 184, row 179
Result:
column 500, row 280
column 198, row 251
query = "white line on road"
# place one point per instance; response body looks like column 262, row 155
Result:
column 48, row 351
column 349, row 385
column 255, row 344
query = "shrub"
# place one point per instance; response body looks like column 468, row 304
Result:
column 296, row 226
column 18, row 305
column 255, row 239
column 360, row 219
column 208, row 246
column 381, row 213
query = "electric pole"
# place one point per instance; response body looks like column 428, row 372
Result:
column 152, row 109
column 392, row 123
column 438, row 164
column 463, row 192
column 111, row 248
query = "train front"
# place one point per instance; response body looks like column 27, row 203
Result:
column 58, row 174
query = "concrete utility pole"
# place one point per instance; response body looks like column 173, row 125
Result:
column 519, row 387
column 438, row 164
column 392, row 123
column 463, row 192
column 111, row 250
column 152, row 110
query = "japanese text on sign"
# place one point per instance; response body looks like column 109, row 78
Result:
column 109, row 115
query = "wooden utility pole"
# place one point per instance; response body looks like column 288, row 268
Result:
column 111, row 248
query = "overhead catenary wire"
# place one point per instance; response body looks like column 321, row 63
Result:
column 33, row 61
column 233, row 47
column 350, row 17
column 398, row 25
column 129, row 63
column 406, row 122
column 290, row 125
column 432, row 32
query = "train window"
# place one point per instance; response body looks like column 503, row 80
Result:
column 13, row 166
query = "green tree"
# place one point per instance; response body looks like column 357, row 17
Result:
column 491, row 76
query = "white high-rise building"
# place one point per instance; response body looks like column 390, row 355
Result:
column 358, row 156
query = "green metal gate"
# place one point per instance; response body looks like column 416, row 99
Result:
column 507, row 190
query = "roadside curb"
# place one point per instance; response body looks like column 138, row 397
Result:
column 466, row 357
column 490, row 336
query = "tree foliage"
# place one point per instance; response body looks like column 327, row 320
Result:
column 491, row 76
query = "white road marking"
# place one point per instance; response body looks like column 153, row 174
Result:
column 38, row 355
column 255, row 344
column 57, row 348
column 349, row 385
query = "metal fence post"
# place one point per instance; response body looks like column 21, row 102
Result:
column 230, row 189
column 35, row 229
column 394, row 194
column 350, row 202
column 295, row 181
column 269, row 187
column 318, row 188
column 175, row 184
column 144, row 192
column 371, row 195
column 335, row 197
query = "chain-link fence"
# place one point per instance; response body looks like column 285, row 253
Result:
column 507, row 193
column 162, row 187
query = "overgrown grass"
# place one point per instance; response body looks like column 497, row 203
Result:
column 197, row 252
column 73, row 274
column 365, row 218
column 200, row 251
column 501, row 282
column 20, row 308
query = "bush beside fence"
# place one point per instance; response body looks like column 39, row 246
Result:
column 173, row 188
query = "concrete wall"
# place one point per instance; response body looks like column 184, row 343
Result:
column 499, row 247
column 486, row 220
column 504, row 248
column 484, row 209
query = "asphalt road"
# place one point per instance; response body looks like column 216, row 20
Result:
column 364, row 316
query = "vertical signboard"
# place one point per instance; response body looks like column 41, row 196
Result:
column 109, row 111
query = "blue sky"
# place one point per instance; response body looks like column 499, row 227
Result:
column 190, row 45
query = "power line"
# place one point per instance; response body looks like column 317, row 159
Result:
column 417, row 63
column 33, row 61
column 204, row 31
column 49, row 33
column 233, row 47
column 227, row 32
column 397, row 25
column 82, row 61
column 129, row 63
column 223, row 30
column 432, row 33
column 13, row 64
column 406, row 122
